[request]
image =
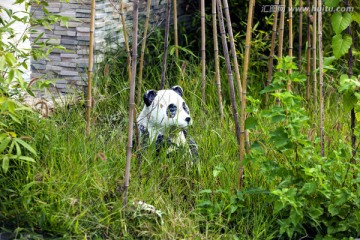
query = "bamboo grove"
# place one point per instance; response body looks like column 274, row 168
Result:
column 310, row 43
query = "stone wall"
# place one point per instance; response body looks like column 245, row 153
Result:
column 69, row 68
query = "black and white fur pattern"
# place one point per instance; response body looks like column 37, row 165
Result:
column 165, row 118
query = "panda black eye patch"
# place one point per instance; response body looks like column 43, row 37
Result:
column 186, row 108
column 171, row 110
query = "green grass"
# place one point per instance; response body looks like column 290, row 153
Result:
column 73, row 191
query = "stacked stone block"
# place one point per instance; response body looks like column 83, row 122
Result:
column 69, row 68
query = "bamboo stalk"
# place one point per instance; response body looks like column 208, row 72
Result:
column 217, row 66
column 300, row 35
column 272, row 49
column 281, row 29
column 232, row 47
column 321, row 81
column 308, row 54
column 230, row 77
column 176, row 30
column 131, row 99
column 143, row 45
column 203, row 54
column 350, row 74
column 90, row 68
column 127, row 48
column 281, row 36
column 314, row 57
column 290, row 41
column 166, row 43
column 244, row 85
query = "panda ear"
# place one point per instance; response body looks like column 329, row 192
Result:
column 149, row 97
column 178, row 90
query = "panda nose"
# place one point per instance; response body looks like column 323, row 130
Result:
column 188, row 119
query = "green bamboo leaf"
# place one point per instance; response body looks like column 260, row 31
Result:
column 14, row 118
column 341, row 45
column 2, row 63
column 11, row 75
column 10, row 59
column 340, row 21
column 4, row 143
column 18, row 149
column 25, row 145
column 25, row 158
column 5, row 164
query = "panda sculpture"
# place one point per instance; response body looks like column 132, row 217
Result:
column 165, row 119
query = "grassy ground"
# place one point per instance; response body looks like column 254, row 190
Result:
column 73, row 191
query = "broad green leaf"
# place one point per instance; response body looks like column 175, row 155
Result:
column 333, row 210
column 331, row 3
column 278, row 206
column 251, row 123
column 315, row 212
column 296, row 216
column 339, row 227
column 349, row 101
column 25, row 145
column 309, row 188
column 340, row 21
column 258, row 146
column 342, row 196
column 278, row 118
column 279, row 137
column 5, row 163
column 356, row 17
column 329, row 60
column 341, row 45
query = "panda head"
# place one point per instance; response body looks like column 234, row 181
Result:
column 167, row 108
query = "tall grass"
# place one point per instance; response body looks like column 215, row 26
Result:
column 73, row 191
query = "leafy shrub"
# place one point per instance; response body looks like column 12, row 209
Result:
column 310, row 196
